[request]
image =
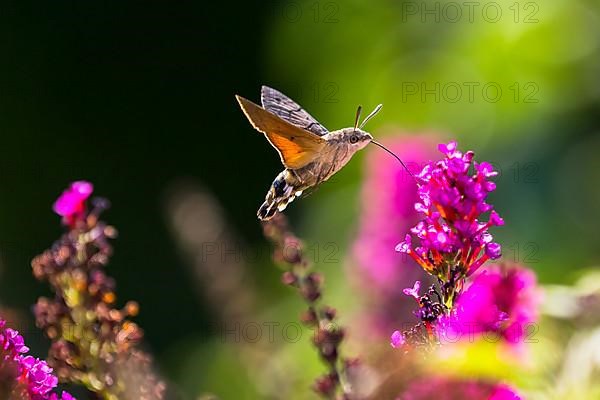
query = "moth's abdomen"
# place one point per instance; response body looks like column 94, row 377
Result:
column 285, row 188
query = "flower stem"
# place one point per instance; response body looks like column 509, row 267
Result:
column 328, row 336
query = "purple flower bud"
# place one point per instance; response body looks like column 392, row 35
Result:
column 489, row 186
column 72, row 201
column 397, row 339
column 486, row 169
column 493, row 250
column 495, row 219
column 468, row 157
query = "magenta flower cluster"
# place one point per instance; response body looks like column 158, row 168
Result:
column 32, row 373
column 452, row 201
column 445, row 388
column 502, row 301
column 453, row 244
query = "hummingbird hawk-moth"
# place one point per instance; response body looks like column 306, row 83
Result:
column 309, row 152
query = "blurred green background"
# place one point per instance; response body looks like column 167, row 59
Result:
column 138, row 96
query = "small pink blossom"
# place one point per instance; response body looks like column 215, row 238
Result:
column 414, row 291
column 71, row 203
column 397, row 339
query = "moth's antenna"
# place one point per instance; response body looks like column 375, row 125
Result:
column 373, row 113
column 395, row 156
column 358, row 111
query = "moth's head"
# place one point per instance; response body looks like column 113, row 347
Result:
column 356, row 138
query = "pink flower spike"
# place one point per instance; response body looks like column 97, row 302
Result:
column 452, row 201
column 71, row 202
column 397, row 339
column 414, row 291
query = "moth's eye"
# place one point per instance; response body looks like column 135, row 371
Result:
column 353, row 139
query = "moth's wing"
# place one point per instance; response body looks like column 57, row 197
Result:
column 287, row 109
column 296, row 146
